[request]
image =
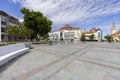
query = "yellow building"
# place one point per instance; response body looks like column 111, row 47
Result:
column 115, row 35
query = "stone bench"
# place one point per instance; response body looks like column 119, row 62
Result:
column 9, row 52
column 28, row 44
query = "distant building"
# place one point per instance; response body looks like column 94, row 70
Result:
column 96, row 32
column 13, row 21
column 66, row 32
column 113, row 28
column 115, row 35
column 6, row 20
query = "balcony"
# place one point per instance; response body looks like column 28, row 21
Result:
column 4, row 26
column 3, row 33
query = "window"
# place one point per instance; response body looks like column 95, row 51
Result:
column 2, row 37
column 98, row 34
column 3, row 22
column 2, row 29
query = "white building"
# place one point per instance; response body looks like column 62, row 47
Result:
column 66, row 32
column 3, row 24
column 96, row 32
column 6, row 20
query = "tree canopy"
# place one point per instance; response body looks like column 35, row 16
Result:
column 83, row 37
column 19, row 31
column 37, row 22
column 108, row 37
column 92, row 37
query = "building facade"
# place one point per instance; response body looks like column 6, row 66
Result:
column 13, row 21
column 115, row 35
column 66, row 33
column 6, row 20
column 113, row 28
column 96, row 32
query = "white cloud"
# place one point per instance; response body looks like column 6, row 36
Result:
column 14, row 1
column 21, row 20
column 69, row 11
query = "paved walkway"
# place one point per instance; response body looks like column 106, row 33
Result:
column 76, row 61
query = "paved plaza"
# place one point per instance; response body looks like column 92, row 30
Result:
column 75, row 61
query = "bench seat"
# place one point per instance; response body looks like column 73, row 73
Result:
column 10, row 53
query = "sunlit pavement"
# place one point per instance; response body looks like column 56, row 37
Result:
column 75, row 61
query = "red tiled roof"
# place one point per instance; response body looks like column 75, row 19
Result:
column 93, row 29
column 87, row 32
column 90, row 31
column 66, row 27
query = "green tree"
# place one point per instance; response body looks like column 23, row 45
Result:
column 83, row 37
column 37, row 22
column 12, row 30
column 92, row 37
column 108, row 37
column 19, row 31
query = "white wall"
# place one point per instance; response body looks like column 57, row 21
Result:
column 87, row 36
column 54, row 35
column 69, row 34
column 113, row 31
column 78, row 34
column 96, row 35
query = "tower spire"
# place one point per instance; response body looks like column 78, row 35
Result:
column 113, row 23
column 113, row 28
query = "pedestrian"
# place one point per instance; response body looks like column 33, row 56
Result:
column 109, row 41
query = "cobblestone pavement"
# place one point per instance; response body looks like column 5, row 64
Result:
column 75, row 61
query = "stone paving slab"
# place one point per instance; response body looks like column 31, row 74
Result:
column 79, row 70
column 76, row 61
column 104, row 55
column 26, row 63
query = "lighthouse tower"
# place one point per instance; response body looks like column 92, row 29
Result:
column 113, row 28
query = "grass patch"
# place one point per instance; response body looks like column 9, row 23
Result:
column 11, row 43
column 3, row 44
column 7, row 43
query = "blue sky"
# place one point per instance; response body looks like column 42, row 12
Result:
column 11, row 8
column 83, row 13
